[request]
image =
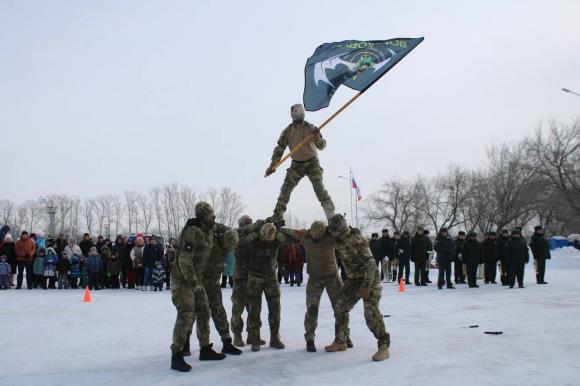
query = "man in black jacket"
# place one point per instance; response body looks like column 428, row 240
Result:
column 459, row 262
column 419, row 249
column 376, row 250
column 490, row 257
column 502, row 247
column 389, row 265
column 429, row 256
column 86, row 244
column 541, row 251
column 401, row 248
column 518, row 257
column 445, row 248
column 472, row 256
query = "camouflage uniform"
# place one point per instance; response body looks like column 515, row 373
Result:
column 187, row 294
column 262, row 278
column 239, row 290
column 211, row 283
column 362, row 274
column 304, row 163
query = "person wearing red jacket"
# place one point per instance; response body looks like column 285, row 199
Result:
column 25, row 249
column 294, row 263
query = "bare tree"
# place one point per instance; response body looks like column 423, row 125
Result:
column 188, row 199
column 118, row 209
column 7, row 211
column 88, row 208
column 229, row 207
column 171, row 208
column 393, row 204
column 146, row 210
column 30, row 213
column 155, row 195
column 131, row 206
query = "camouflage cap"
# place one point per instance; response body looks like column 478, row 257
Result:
column 231, row 239
column 244, row 220
column 202, row 209
column 317, row 229
column 338, row 225
column 268, row 232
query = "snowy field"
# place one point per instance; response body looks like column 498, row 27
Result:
column 122, row 338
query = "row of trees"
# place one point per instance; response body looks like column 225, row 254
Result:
column 536, row 180
column 162, row 210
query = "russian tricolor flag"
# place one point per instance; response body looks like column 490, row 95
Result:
column 355, row 186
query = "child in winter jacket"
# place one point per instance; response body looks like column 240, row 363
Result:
column 158, row 275
column 50, row 263
column 75, row 270
column 113, row 270
column 38, row 269
column 63, row 267
column 94, row 268
column 5, row 271
column 84, row 272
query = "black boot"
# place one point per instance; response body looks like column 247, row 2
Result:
column 310, row 347
column 229, row 348
column 207, row 353
column 349, row 343
column 177, row 362
column 186, row 349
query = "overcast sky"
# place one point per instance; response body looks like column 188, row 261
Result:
column 106, row 96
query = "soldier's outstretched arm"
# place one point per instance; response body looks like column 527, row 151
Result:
column 318, row 140
column 290, row 236
column 278, row 151
column 187, row 250
column 220, row 228
column 364, row 258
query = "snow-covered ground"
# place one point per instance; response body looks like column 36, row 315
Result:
column 122, row 338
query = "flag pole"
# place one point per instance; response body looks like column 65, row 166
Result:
column 309, row 137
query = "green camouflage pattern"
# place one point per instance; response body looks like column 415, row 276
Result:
column 314, row 288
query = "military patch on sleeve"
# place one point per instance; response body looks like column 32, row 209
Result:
column 189, row 247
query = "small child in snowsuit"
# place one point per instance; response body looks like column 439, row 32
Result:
column 38, row 269
column 5, row 271
column 94, row 269
column 158, row 275
column 113, row 270
column 50, row 263
column 63, row 268
column 75, row 271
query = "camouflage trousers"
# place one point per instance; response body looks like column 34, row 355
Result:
column 216, row 308
column 294, row 174
column 269, row 286
column 349, row 296
column 314, row 289
column 190, row 305
column 239, row 304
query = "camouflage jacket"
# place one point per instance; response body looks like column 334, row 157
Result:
column 355, row 254
column 261, row 257
column 195, row 246
column 292, row 136
column 216, row 262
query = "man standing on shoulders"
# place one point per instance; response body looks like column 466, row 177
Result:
column 541, row 251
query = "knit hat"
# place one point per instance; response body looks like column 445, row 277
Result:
column 8, row 238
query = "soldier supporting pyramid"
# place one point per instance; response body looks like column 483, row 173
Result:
column 304, row 163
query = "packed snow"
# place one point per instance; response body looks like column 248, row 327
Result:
column 50, row 337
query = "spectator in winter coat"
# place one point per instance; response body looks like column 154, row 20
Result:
column 402, row 248
column 100, row 244
column 5, row 272
column 105, row 254
column 376, row 250
column 169, row 259
column 63, row 267
column 86, row 244
column 94, row 268
column 389, row 266
column 459, row 266
column 60, row 244
column 137, row 260
column 8, row 248
column 473, row 256
column 518, row 257
column 72, row 248
column 50, row 262
column 158, row 276
column 490, row 250
column 228, row 274
column 294, row 263
column 25, row 249
column 75, row 269
column 113, row 270
column 419, row 255
column 38, row 268
column 120, row 248
column 445, row 248
column 541, row 251
column 151, row 254
column 129, row 274
column 429, row 256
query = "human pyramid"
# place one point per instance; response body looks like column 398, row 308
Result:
column 204, row 245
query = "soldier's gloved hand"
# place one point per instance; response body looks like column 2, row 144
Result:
column 364, row 293
column 316, row 134
column 269, row 171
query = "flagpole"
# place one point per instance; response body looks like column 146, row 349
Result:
column 356, row 202
column 309, row 137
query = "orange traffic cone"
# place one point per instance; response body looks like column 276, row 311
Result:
column 402, row 285
column 87, row 295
